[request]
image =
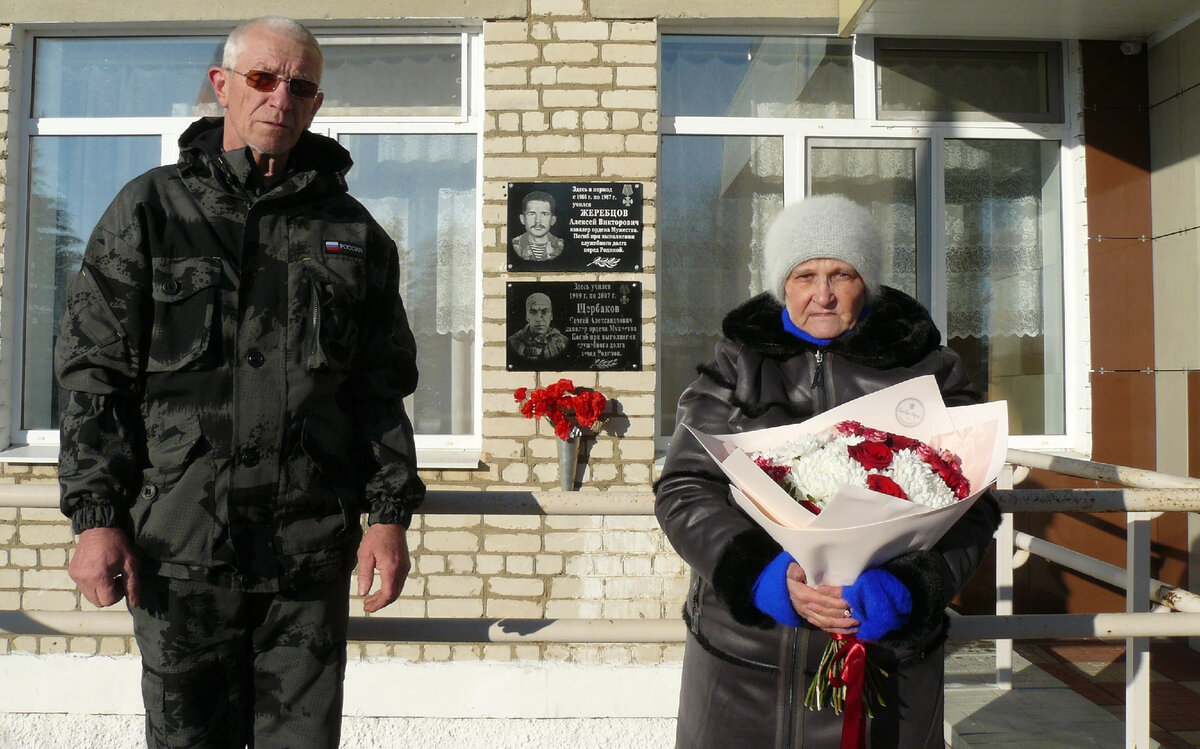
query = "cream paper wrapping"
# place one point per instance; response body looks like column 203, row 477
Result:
column 859, row 528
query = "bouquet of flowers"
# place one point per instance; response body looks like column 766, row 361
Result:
column 567, row 410
column 842, row 498
column 812, row 466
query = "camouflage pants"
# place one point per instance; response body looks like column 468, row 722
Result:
column 226, row 669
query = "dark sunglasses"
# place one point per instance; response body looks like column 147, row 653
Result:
column 261, row 80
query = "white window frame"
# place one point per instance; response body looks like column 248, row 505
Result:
column 796, row 133
column 41, row 445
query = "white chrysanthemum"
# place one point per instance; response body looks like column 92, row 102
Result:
column 818, row 474
column 793, row 449
column 920, row 482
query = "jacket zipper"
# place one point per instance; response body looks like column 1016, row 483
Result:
column 796, row 640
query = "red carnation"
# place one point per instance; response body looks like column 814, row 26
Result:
column 871, row 455
column 519, row 395
column 879, row 483
column 775, row 471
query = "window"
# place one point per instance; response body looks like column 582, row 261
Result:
column 416, row 150
column 968, row 195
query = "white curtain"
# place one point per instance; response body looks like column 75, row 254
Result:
column 455, row 252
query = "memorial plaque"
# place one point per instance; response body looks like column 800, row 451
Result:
column 566, row 325
column 575, row 226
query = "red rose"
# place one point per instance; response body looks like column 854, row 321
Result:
column 877, row 482
column 871, row 455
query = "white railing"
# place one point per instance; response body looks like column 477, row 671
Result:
column 1146, row 494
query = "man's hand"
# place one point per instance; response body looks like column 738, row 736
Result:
column 822, row 606
column 383, row 548
column 105, row 567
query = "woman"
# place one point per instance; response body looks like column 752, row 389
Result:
column 826, row 333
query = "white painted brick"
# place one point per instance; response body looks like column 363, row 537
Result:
column 459, row 608
column 570, row 98
column 112, row 646
column 543, row 75
column 513, row 609
column 505, row 31
column 511, row 168
column 510, row 76
column 452, row 521
column 637, row 450
column 508, row 121
column 570, row 52
column 456, row 586
column 22, row 557
column 587, row 76
column 579, row 565
column 44, row 534
column 553, row 143
column 638, row 566
column 534, row 122
column 498, row 54
column 604, row 143
column 49, row 600
column 632, row 542
column 460, row 563
column 559, row 166
column 512, row 98
column 650, row 123
column 568, row 542
column 519, row 564
column 513, row 144
column 450, row 541
column 617, row 656
column 609, row 565
column 516, row 587
column 513, row 542
column 556, row 7
column 602, row 473
column 564, row 120
column 540, row 31
column 572, row 609
column 514, row 522
column 641, row 76
column 646, row 54
column 42, row 515
column 548, row 564
column 629, row 99
column 489, row 564
column 581, row 30
column 631, row 610
column 427, row 564
column 56, row 557
column 636, row 473
column 629, row 167
column 7, row 533
column 596, row 119
column 634, row 31
column 626, row 121
column 642, row 143
column 668, row 565
column 634, row 588
column 47, row 580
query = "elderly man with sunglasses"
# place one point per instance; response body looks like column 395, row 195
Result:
column 234, row 357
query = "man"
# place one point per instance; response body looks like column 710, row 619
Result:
column 538, row 342
column 537, row 216
column 235, row 353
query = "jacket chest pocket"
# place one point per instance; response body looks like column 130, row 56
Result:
column 333, row 316
column 185, row 311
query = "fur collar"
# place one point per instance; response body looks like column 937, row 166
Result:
column 898, row 332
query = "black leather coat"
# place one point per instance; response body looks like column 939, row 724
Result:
column 744, row 675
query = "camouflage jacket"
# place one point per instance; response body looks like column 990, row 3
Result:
column 235, row 360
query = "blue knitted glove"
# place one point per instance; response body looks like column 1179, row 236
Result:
column 879, row 601
column 771, row 594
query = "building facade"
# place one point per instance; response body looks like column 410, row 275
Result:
column 1035, row 183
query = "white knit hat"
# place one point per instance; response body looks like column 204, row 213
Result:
column 823, row 226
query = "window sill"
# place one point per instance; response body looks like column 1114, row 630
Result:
column 41, row 454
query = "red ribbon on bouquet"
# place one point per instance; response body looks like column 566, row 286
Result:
column 852, row 655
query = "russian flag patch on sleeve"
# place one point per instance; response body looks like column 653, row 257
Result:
column 343, row 248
